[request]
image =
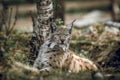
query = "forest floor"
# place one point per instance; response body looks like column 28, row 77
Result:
column 89, row 45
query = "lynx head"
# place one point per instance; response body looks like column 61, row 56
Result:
column 60, row 37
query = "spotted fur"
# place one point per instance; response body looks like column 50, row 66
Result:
column 55, row 54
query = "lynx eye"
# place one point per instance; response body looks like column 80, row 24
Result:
column 57, row 34
column 66, row 34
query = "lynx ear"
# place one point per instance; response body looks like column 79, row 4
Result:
column 53, row 25
column 70, row 26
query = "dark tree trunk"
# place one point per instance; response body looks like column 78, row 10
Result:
column 3, row 17
column 60, row 9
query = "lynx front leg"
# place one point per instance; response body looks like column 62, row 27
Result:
column 44, row 68
column 45, row 71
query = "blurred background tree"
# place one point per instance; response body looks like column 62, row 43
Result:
column 115, row 11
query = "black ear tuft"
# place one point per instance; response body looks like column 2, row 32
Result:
column 70, row 26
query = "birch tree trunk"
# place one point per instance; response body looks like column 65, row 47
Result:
column 40, row 27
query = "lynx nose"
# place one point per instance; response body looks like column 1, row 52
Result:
column 62, row 41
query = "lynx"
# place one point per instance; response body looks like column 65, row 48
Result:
column 55, row 54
